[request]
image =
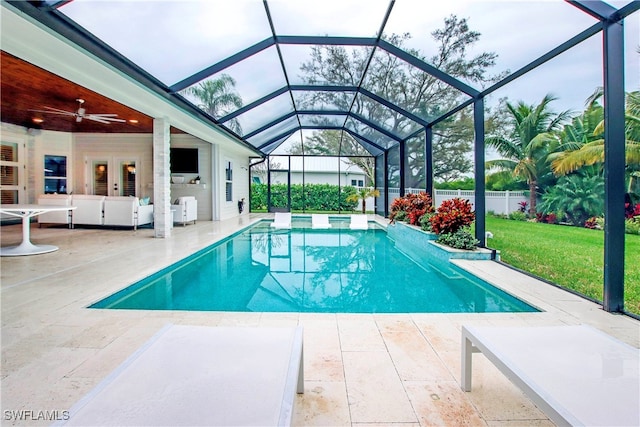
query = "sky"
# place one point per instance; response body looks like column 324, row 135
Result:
column 173, row 39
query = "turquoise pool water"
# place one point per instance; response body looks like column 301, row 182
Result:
column 305, row 270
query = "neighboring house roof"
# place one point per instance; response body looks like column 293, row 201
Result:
column 324, row 165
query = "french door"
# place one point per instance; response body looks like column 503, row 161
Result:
column 112, row 176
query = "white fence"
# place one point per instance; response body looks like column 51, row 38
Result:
column 500, row 202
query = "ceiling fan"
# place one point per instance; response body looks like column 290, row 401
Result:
column 81, row 113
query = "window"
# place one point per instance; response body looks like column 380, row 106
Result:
column 229, row 182
column 357, row 183
column 55, row 174
column 9, row 171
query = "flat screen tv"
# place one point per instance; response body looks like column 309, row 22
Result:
column 184, row 160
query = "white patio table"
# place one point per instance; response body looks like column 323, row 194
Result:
column 26, row 212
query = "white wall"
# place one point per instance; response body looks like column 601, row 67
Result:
column 37, row 144
column 113, row 146
column 240, row 167
column 204, row 191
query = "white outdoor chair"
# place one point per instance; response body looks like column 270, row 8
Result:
column 185, row 210
column 282, row 220
column 320, row 221
column 359, row 222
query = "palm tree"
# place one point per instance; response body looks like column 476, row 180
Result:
column 362, row 194
column 525, row 151
column 218, row 97
column 592, row 152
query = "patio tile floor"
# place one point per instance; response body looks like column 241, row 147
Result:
column 360, row 370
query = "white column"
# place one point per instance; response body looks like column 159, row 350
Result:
column 215, row 183
column 162, row 215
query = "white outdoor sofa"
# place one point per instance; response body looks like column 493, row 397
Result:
column 201, row 375
column 115, row 211
column 577, row 375
column 55, row 217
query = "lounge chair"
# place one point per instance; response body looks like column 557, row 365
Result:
column 320, row 221
column 201, row 375
column 282, row 220
column 577, row 375
column 359, row 222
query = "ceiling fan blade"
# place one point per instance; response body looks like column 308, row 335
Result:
column 104, row 115
column 103, row 119
column 55, row 111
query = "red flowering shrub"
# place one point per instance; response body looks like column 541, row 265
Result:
column 523, row 206
column 631, row 211
column 414, row 205
column 398, row 205
column 549, row 218
column 452, row 215
column 591, row 223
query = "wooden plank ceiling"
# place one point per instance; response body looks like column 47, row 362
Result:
column 25, row 87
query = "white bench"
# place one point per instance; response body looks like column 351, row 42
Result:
column 577, row 375
column 199, row 375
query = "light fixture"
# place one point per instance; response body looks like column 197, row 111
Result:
column 37, row 120
column 133, row 121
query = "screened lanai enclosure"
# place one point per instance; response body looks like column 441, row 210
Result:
column 394, row 94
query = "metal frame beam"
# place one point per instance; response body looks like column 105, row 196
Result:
column 292, row 130
column 225, row 63
column 614, row 166
column 480, row 204
column 598, row 9
column 428, row 161
column 254, row 104
column 429, row 69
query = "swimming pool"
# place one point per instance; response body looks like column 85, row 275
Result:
column 304, row 270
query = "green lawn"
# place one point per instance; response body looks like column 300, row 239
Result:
column 572, row 257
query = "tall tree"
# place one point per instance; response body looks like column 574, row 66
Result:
column 217, row 97
column 590, row 149
column 525, row 151
column 405, row 86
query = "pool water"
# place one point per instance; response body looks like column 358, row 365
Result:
column 305, row 270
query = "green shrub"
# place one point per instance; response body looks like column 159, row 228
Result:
column 460, row 239
column 425, row 221
column 518, row 216
column 578, row 197
column 460, row 184
column 320, row 197
column 632, row 226
column 400, row 216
